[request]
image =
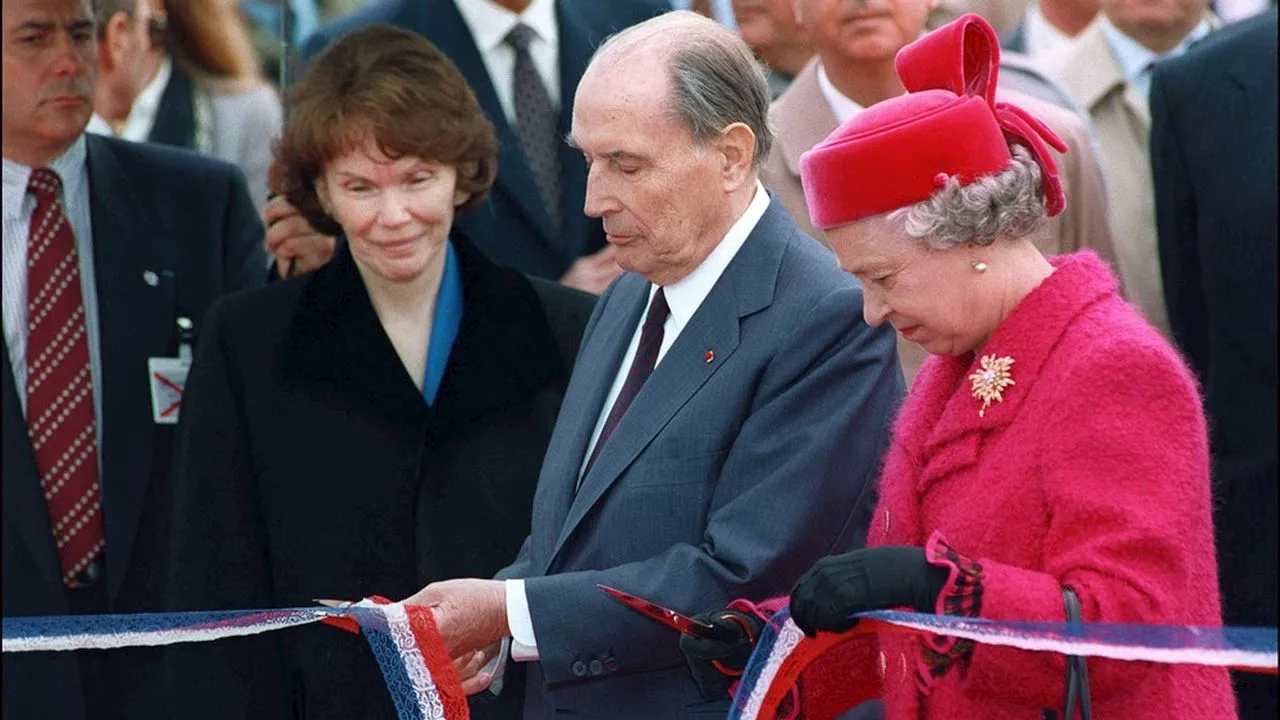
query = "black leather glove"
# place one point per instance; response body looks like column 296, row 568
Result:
column 715, row 664
column 870, row 579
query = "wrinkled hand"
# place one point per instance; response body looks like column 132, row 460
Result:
column 471, row 613
column 869, row 579
column 474, row 671
column 296, row 247
column 708, row 660
column 594, row 272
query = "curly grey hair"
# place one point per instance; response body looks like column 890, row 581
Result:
column 1009, row 204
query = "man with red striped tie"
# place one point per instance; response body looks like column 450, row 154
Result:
column 112, row 253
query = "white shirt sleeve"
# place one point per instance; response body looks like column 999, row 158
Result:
column 524, row 646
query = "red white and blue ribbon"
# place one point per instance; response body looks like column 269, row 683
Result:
column 783, row 651
column 405, row 641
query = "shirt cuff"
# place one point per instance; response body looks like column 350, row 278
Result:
column 524, row 646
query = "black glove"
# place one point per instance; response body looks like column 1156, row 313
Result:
column 715, row 664
column 871, row 579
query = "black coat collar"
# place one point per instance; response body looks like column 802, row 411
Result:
column 504, row 350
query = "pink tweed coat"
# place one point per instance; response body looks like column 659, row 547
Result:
column 1092, row 472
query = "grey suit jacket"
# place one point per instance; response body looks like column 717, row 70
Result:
column 803, row 118
column 728, row 477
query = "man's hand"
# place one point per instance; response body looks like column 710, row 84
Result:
column 296, row 247
column 594, row 272
column 474, row 670
column 471, row 613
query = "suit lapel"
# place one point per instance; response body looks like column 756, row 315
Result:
column 175, row 122
column 746, row 287
column 441, row 23
column 576, row 46
column 803, row 117
column 24, row 503
column 1093, row 71
column 135, row 321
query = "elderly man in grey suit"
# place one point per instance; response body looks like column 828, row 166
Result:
column 728, row 408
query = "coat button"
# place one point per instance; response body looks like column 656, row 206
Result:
column 611, row 665
column 902, row 668
column 886, row 521
column 882, row 665
column 596, row 667
column 579, row 668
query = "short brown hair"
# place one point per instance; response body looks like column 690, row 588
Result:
column 395, row 87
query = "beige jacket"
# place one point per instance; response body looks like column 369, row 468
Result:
column 1089, row 71
column 802, row 118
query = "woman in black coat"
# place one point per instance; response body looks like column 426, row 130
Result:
column 378, row 424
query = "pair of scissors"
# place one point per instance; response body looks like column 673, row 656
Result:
column 673, row 619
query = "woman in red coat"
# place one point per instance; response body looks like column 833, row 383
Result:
column 1054, row 440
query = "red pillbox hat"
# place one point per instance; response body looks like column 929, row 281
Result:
column 899, row 152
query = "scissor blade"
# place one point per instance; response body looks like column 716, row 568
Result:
column 671, row 618
column 332, row 603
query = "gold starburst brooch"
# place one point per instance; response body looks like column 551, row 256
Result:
column 990, row 382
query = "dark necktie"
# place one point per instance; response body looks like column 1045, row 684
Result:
column 641, row 367
column 537, row 122
column 60, row 418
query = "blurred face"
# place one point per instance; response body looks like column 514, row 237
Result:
column 765, row 24
column 932, row 297
column 660, row 195
column 129, row 59
column 1136, row 17
column 50, row 62
column 862, row 30
column 396, row 213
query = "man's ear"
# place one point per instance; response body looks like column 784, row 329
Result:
column 115, row 41
column 737, row 145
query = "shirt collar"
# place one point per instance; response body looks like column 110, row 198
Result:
column 489, row 23
column 70, row 166
column 142, row 116
column 685, row 296
column 841, row 105
column 1134, row 58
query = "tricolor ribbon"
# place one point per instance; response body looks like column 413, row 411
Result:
column 783, row 652
column 405, row 641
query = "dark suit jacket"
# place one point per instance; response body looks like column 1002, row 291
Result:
column 1213, row 156
column 189, row 220
column 513, row 227
column 748, row 454
column 312, row 467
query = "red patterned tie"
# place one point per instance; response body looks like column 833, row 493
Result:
column 641, row 367
column 60, row 418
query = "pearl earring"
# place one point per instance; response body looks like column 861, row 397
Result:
column 979, row 266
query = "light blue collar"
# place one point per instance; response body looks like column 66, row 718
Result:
column 444, row 325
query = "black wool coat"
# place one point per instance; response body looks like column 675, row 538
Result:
column 309, row 466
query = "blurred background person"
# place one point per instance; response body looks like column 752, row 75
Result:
column 854, row 69
column 779, row 41
column 523, row 59
column 128, row 31
column 1048, row 25
column 376, row 425
column 108, row 245
column 721, row 11
column 1213, row 159
column 206, row 92
column 1054, row 440
column 1107, row 70
column 1002, row 14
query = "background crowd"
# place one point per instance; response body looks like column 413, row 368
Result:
column 462, row 205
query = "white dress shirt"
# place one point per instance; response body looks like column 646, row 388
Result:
column 490, row 24
column 684, row 297
column 99, row 126
column 142, row 116
column 1135, row 60
column 841, row 106
column 1040, row 37
column 19, row 206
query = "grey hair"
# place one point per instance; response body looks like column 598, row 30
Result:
column 1009, row 204
column 715, row 79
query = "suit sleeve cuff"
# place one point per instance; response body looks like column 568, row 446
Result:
column 524, row 646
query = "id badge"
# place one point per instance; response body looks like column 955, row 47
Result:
column 168, row 379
